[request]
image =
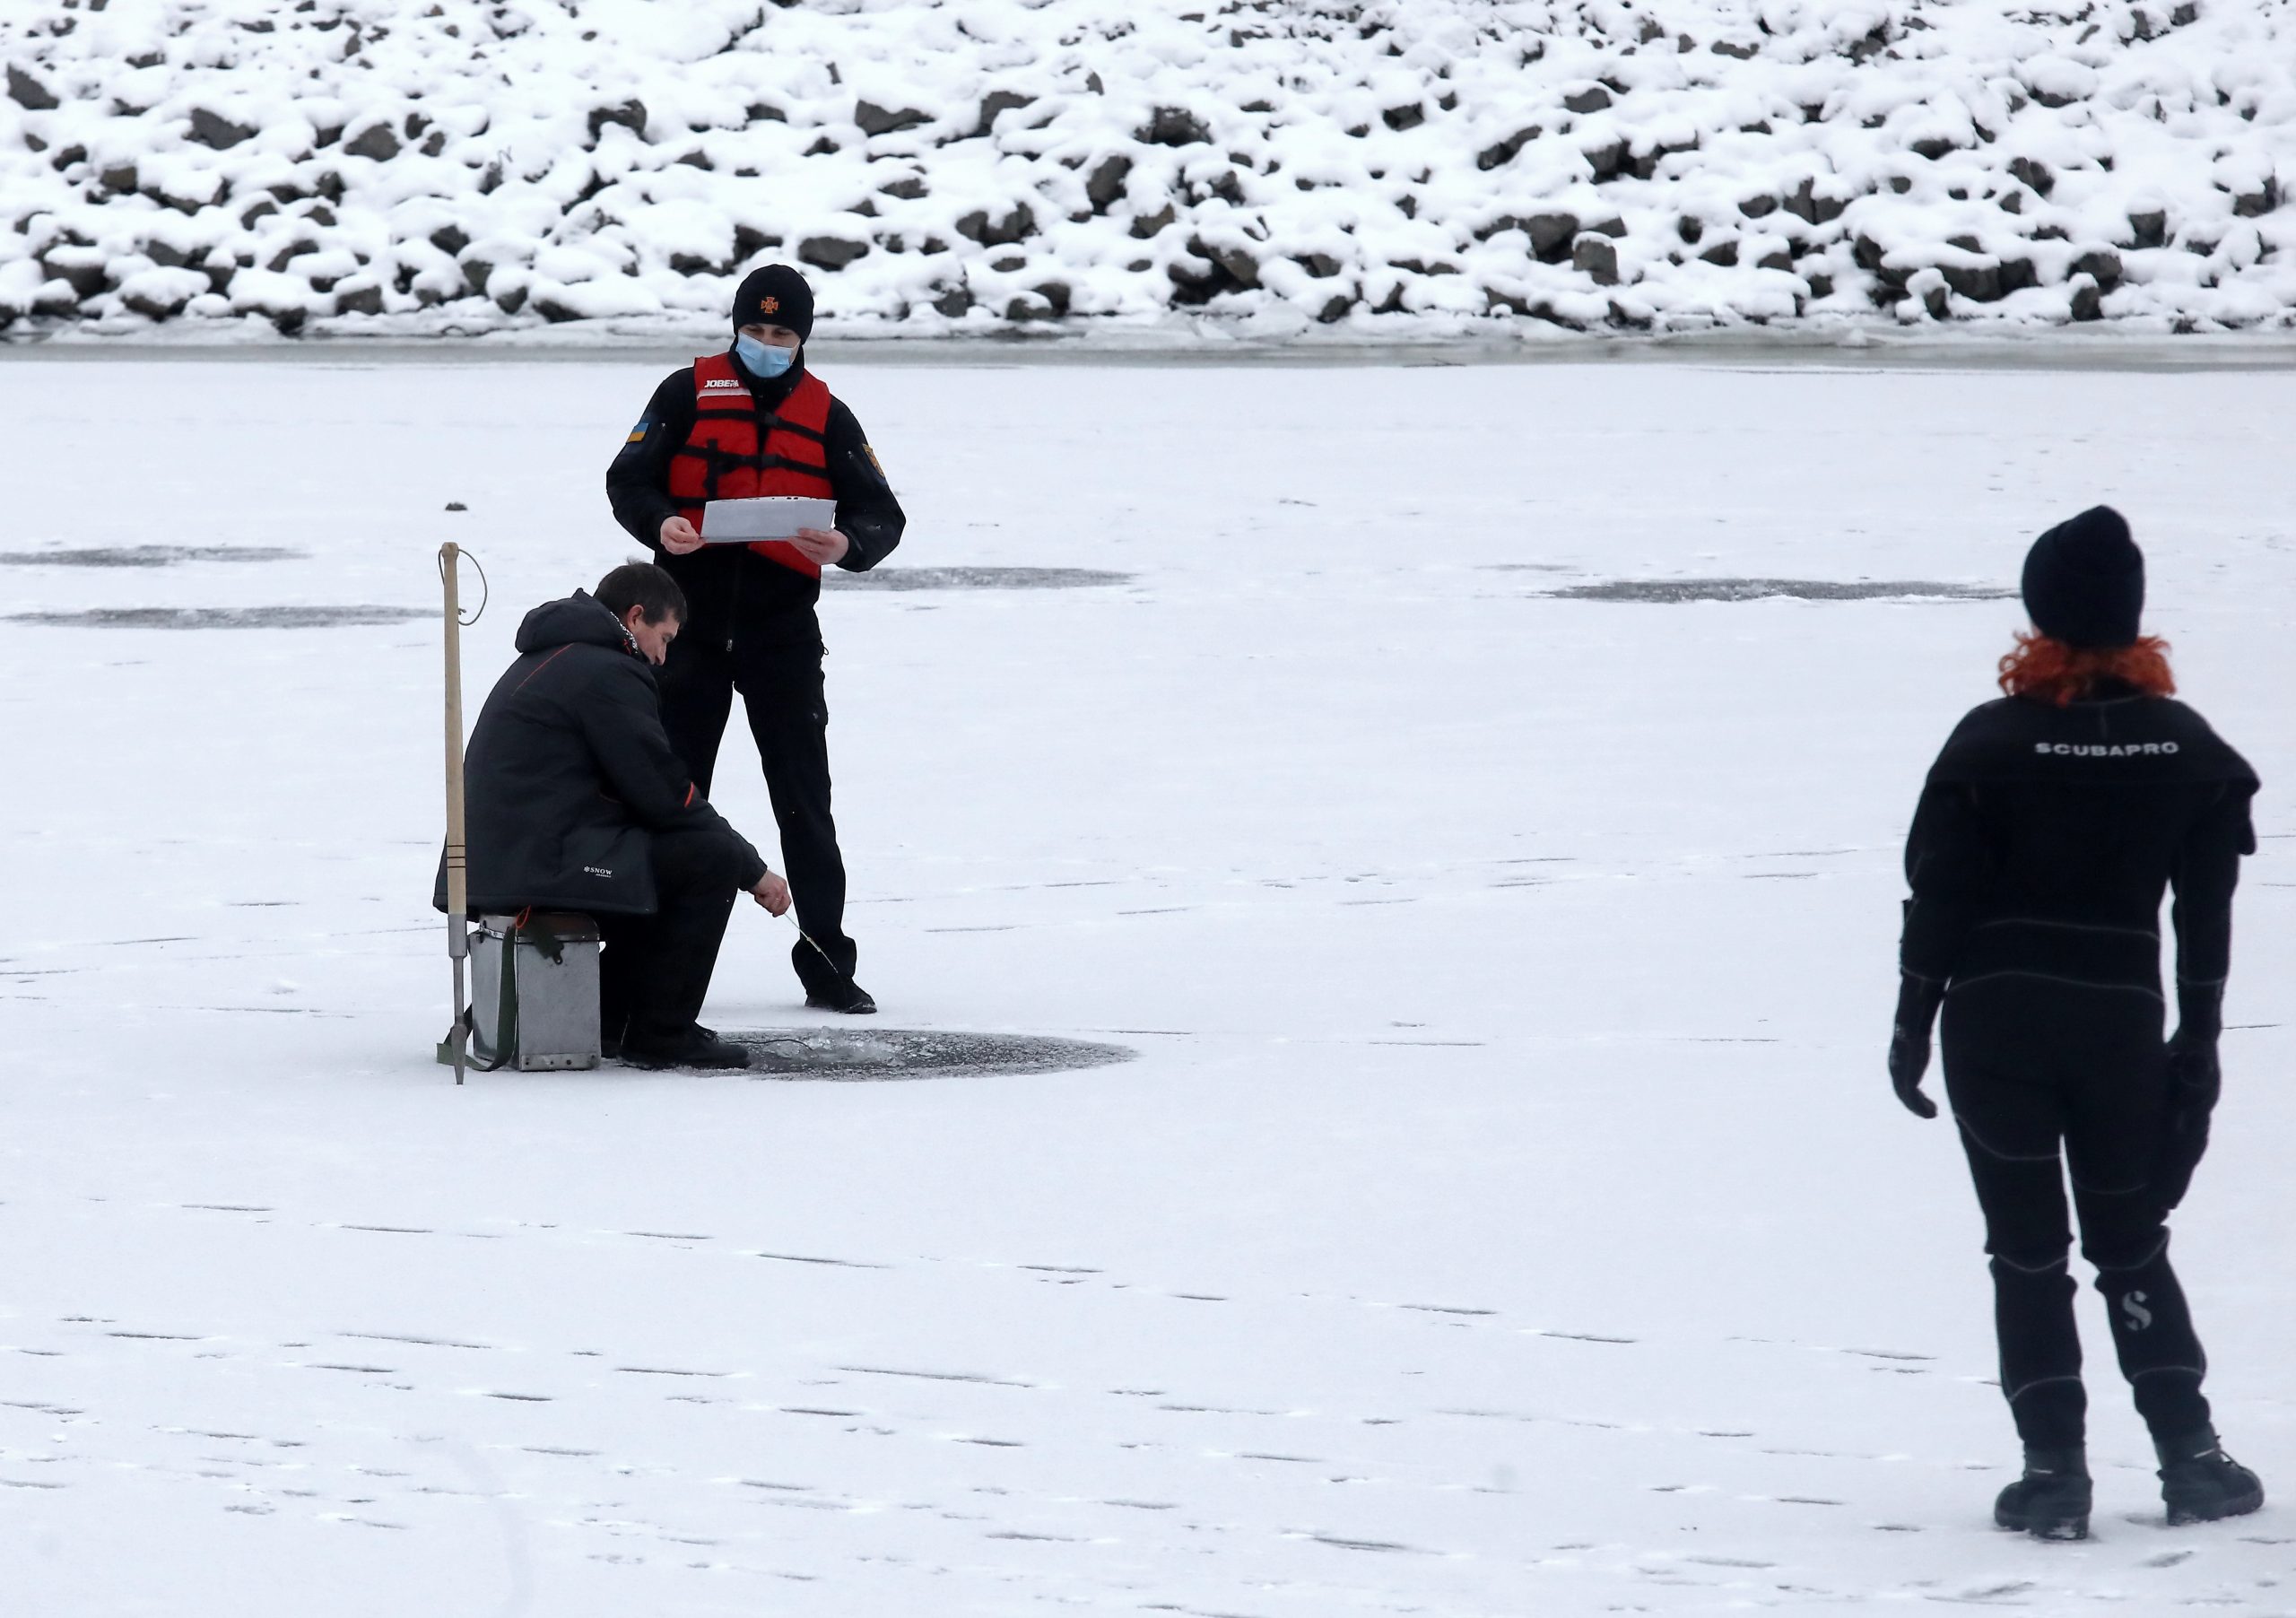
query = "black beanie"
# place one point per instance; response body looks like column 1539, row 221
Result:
column 775, row 295
column 2085, row 580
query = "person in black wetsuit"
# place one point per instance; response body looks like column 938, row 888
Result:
column 753, row 420
column 2048, row 828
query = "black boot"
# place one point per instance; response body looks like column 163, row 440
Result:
column 2051, row 1500
column 847, row 997
column 696, row 1047
column 2199, row 1482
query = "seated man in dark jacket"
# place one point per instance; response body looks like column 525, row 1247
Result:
column 576, row 803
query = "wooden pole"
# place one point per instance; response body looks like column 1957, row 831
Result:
column 457, row 886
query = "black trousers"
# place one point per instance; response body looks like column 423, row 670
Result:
column 780, row 681
column 2047, row 1077
column 654, row 970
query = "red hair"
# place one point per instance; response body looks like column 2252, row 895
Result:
column 2050, row 671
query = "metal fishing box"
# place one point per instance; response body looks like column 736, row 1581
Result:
column 534, row 1000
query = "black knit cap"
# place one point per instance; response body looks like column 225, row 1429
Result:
column 2085, row 580
column 775, row 295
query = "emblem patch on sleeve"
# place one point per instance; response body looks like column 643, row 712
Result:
column 873, row 461
column 638, row 433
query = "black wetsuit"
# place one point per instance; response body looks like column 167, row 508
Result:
column 2044, row 841
column 752, row 628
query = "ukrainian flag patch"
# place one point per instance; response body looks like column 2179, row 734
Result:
column 638, row 433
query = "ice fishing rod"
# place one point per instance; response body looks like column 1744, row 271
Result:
column 792, row 913
column 458, row 877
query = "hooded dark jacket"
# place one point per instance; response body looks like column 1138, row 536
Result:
column 569, row 771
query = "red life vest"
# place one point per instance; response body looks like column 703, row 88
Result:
column 738, row 450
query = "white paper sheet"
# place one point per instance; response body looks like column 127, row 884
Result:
column 738, row 522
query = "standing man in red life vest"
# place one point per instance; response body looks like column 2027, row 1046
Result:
column 750, row 422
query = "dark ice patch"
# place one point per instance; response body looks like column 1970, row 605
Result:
column 974, row 579
column 914, row 1054
column 146, row 556
column 222, row 618
column 1666, row 590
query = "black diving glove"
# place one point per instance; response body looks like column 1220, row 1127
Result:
column 1917, row 1001
column 2195, row 1079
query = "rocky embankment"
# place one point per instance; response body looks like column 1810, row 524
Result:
column 1416, row 167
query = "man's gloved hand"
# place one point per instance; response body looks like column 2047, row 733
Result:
column 773, row 892
column 1917, row 1001
column 2195, row 1079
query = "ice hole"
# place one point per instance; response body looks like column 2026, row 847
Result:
column 894, row 1053
column 975, row 578
column 146, row 556
column 222, row 618
column 1757, row 589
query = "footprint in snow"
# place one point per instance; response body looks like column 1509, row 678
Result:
column 1383, row 1546
column 654, row 1371
column 844, row 1263
column 935, row 1376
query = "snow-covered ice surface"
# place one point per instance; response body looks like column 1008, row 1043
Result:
column 1277, row 167
column 1505, row 1213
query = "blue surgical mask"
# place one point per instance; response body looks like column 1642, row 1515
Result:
column 763, row 359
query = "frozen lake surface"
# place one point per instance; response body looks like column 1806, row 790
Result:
column 1505, row 1211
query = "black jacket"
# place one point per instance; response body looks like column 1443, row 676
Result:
column 2046, row 835
column 730, row 589
column 567, row 771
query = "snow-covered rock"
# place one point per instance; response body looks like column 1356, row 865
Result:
column 976, row 165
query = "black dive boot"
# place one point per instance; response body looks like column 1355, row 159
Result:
column 2051, row 1500
column 843, row 996
column 2199, row 1482
column 695, row 1048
